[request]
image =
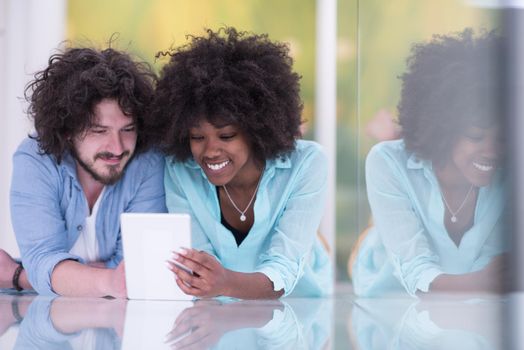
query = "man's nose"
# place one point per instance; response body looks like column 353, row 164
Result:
column 115, row 144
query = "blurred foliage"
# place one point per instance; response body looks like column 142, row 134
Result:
column 146, row 27
column 374, row 38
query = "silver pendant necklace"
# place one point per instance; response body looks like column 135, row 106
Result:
column 454, row 214
column 243, row 212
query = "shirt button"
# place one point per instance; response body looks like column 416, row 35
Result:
column 79, row 227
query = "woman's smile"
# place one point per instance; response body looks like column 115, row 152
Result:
column 217, row 166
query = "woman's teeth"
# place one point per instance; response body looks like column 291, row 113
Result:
column 217, row 166
column 483, row 167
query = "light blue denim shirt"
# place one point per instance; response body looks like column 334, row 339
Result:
column 283, row 242
column 409, row 246
column 49, row 208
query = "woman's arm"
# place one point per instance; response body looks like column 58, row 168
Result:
column 302, row 197
column 210, row 278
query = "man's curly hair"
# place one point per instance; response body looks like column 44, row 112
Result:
column 63, row 96
column 451, row 83
column 229, row 77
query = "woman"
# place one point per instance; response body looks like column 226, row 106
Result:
column 436, row 195
column 230, row 109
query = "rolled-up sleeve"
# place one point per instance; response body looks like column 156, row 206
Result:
column 38, row 224
column 295, row 232
column 401, row 231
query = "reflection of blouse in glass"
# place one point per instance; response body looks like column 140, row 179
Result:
column 283, row 242
column 409, row 245
column 406, row 323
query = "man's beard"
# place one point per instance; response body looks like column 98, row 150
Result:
column 113, row 176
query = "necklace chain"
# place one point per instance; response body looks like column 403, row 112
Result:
column 243, row 212
column 454, row 214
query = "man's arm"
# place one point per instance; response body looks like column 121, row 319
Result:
column 37, row 214
column 71, row 278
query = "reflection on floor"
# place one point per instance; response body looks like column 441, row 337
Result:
column 340, row 322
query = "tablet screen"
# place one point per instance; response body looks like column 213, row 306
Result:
column 149, row 240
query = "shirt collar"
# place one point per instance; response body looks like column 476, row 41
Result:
column 279, row 162
column 69, row 164
column 190, row 163
column 415, row 162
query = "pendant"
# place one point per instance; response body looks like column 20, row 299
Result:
column 453, row 219
column 243, row 218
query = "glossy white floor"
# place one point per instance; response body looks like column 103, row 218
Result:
column 342, row 322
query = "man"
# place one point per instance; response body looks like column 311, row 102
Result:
column 86, row 164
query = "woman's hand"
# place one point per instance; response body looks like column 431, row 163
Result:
column 203, row 325
column 198, row 327
column 209, row 277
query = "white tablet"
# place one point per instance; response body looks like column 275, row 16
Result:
column 149, row 240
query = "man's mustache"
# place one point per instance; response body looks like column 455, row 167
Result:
column 106, row 155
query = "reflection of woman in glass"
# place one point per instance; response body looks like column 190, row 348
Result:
column 297, row 323
column 229, row 106
column 436, row 195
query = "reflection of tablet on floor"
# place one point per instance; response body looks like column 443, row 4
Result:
column 149, row 240
column 149, row 323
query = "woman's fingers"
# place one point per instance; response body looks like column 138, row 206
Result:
column 200, row 257
column 190, row 266
column 186, row 287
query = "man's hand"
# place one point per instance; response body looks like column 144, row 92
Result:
column 116, row 281
column 7, row 268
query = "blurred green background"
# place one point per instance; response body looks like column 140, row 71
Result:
column 374, row 38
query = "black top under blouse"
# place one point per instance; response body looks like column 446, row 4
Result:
column 239, row 235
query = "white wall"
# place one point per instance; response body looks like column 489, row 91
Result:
column 30, row 31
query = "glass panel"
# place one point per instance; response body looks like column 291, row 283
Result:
column 429, row 78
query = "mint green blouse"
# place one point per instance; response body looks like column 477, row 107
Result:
column 283, row 243
column 408, row 246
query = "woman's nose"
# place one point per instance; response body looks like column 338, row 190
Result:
column 212, row 149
